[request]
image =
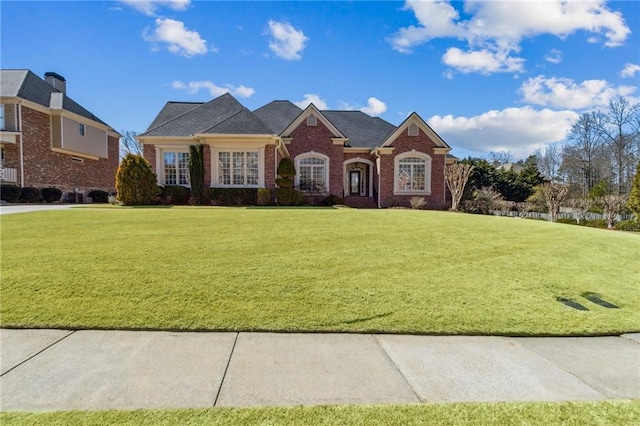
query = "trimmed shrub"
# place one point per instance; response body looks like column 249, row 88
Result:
column 175, row 194
column 628, row 225
column 289, row 197
column 51, row 195
column 417, row 203
column 567, row 220
column 233, row 196
column 595, row 223
column 30, row 195
column 196, row 173
column 286, row 171
column 135, row 181
column 332, row 200
column 263, row 197
column 98, row 196
column 10, row 193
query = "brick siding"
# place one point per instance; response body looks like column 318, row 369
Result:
column 405, row 143
column 45, row 168
column 318, row 139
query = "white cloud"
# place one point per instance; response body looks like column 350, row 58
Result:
column 554, row 56
column 312, row 98
column 565, row 93
column 496, row 28
column 194, row 87
column 149, row 7
column 374, row 107
column 179, row 39
column 518, row 130
column 286, row 42
column 484, row 61
column 630, row 70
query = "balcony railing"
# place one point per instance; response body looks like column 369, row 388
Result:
column 8, row 174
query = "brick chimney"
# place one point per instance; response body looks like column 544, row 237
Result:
column 57, row 81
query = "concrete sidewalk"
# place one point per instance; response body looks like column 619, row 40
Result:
column 93, row 370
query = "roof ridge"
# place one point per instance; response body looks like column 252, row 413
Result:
column 186, row 112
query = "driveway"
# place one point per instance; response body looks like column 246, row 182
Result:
column 25, row 208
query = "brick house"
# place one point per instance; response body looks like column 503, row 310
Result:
column 365, row 160
column 49, row 140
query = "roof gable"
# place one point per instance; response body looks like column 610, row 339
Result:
column 312, row 110
column 414, row 118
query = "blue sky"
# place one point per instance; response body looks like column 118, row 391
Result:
column 486, row 75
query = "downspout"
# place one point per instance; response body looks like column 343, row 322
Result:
column 377, row 154
column 275, row 161
column 21, row 145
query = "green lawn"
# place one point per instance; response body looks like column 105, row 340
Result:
column 396, row 271
column 530, row 413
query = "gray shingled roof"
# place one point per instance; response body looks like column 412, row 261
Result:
column 278, row 115
column 362, row 130
column 171, row 110
column 223, row 114
column 26, row 85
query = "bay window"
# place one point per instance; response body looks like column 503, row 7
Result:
column 238, row 168
column 176, row 168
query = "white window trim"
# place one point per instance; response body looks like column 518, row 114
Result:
column 215, row 168
column 427, row 173
column 312, row 154
column 160, row 163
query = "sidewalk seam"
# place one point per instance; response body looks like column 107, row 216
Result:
column 571, row 373
column 39, row 352
column 375, row 337
column 226, row 368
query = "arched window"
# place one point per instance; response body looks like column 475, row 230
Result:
column 312, row 172
column 412, row 173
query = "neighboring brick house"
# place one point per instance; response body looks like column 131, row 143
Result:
column 49, row 140
column 365, row 160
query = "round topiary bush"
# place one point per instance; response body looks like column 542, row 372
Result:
column 10, row 193
column 30, row 195
column 98, row 196
column 135, row 181
column 51, row 195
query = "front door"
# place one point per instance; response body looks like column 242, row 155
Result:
column 354, row 182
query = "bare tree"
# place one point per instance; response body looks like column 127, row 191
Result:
column 612, row 205
column 619, row 127
column 582, row 160
column 456, row 176
column 505, row 207
column 579, row 208
column 554, row 194
column 523, row 208
column 497, row 158
column 548, row 162
column 129, row 144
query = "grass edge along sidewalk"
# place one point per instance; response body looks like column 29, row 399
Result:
column 618, row 412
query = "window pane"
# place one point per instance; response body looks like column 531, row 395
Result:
column 418, row 177
column 183, row 168
column 404, row 177
column 252, row 168
column 224, row 168
column 238, row 168
column 305, row 178
column 170, row 168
